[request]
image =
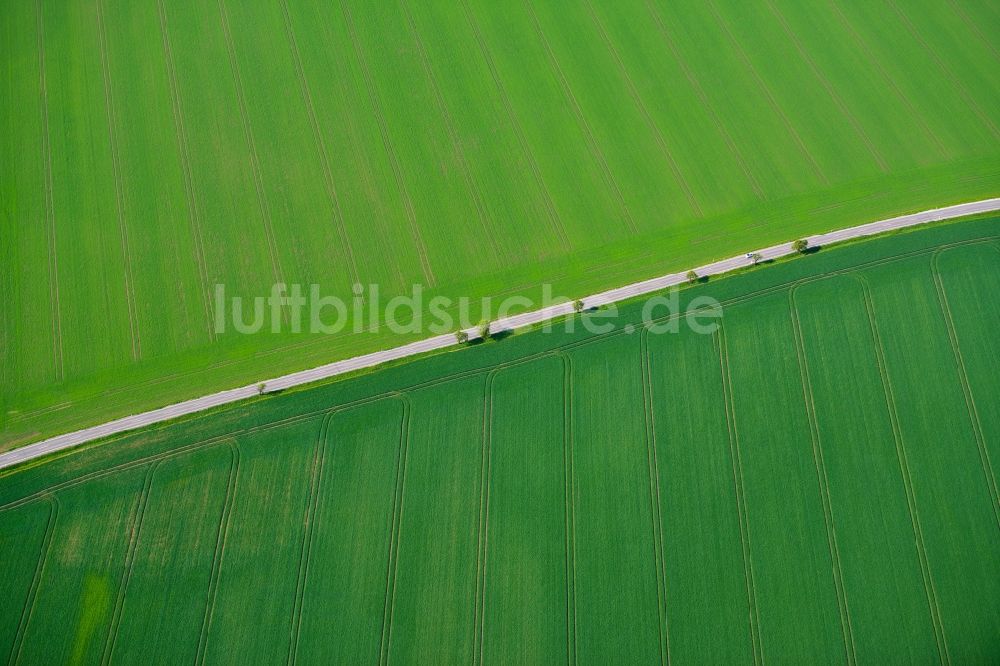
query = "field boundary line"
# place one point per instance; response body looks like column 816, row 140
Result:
column 695, row 84
column 331, row 185
column 50, row 204
column 766, row 89
column 655, row 507
column 823, row 481
column 195, row 405
column 756, row 643
column 28, row 609
column 595, row 149
column 479, row 615
column 135, row 529
column 220, row 550
column 180, row 134
column 308, row 531
column 459, row 152
column 888, row 80
column 444, row 379
column 963, row 377
column 825, row 82
column 112, row 116
column 637, row 97
column 383, row 125
column 258, row 176
column 904, row 471
column 554, row 218
column 949, row 75
column 569, row 488
column 395, row 533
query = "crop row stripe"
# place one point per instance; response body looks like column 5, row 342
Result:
column 948, row 74
column 823, row 482
column 741, row 506
column 661, row 141
column 180, row 134
column 830, row 89
column 963, row 376
column 766, row 89
column 655, row 504
column 397, row 170
column 569, row 487
column 706, row 104
column 904, row 470
column 875, row 63
column 595, row 149
column 554, row 219
column 50, row 206
column 135, row 528
column 459, row 152
column 29, row 603
column 258, row 177
column 331, row 185
column 109, row 104
column 392, row 564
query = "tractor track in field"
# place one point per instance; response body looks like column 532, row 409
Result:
column 569, row 488
column 392, row 562
column 766, row 89
column 479, row 615
column 120, row 194
column 331, row 185
column 906, row 476
column 135, row 529
column 845, row 110
column 823, row 481
column 888, row 81
column 743, row 518
column 258, row 176
column 967, row 97
column 661, row 141
column 29, row 603
column 397, row 170
column 706, row 104
column 554, row 219
column 971, row 25
column 308, row 530
column 595, row 149
column 50, row 204
column 220, row 550
column 482, row 210
column 655, row 503
column 183, row 153
column 963, row 376
column 115, row 429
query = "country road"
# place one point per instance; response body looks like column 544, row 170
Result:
column 133, row 422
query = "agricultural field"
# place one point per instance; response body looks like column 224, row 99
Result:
column 812, row 482
column 150, row 151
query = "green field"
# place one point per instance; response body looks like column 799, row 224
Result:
column 815, row 482
column 151, row 150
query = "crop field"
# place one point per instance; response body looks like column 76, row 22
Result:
column 813, row 482
column 152, row 150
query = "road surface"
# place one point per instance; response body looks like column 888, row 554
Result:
column 144, row 419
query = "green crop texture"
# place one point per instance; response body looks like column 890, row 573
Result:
column 814, row 481
column 152, row 150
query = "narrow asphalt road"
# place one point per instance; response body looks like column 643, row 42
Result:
column 127, row 423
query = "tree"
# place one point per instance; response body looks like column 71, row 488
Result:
column 578, row 306
column 484, row 330
column 692, row 277
column 801, row 245
column 756, row 258
column 261, row 388
column 461, row 337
